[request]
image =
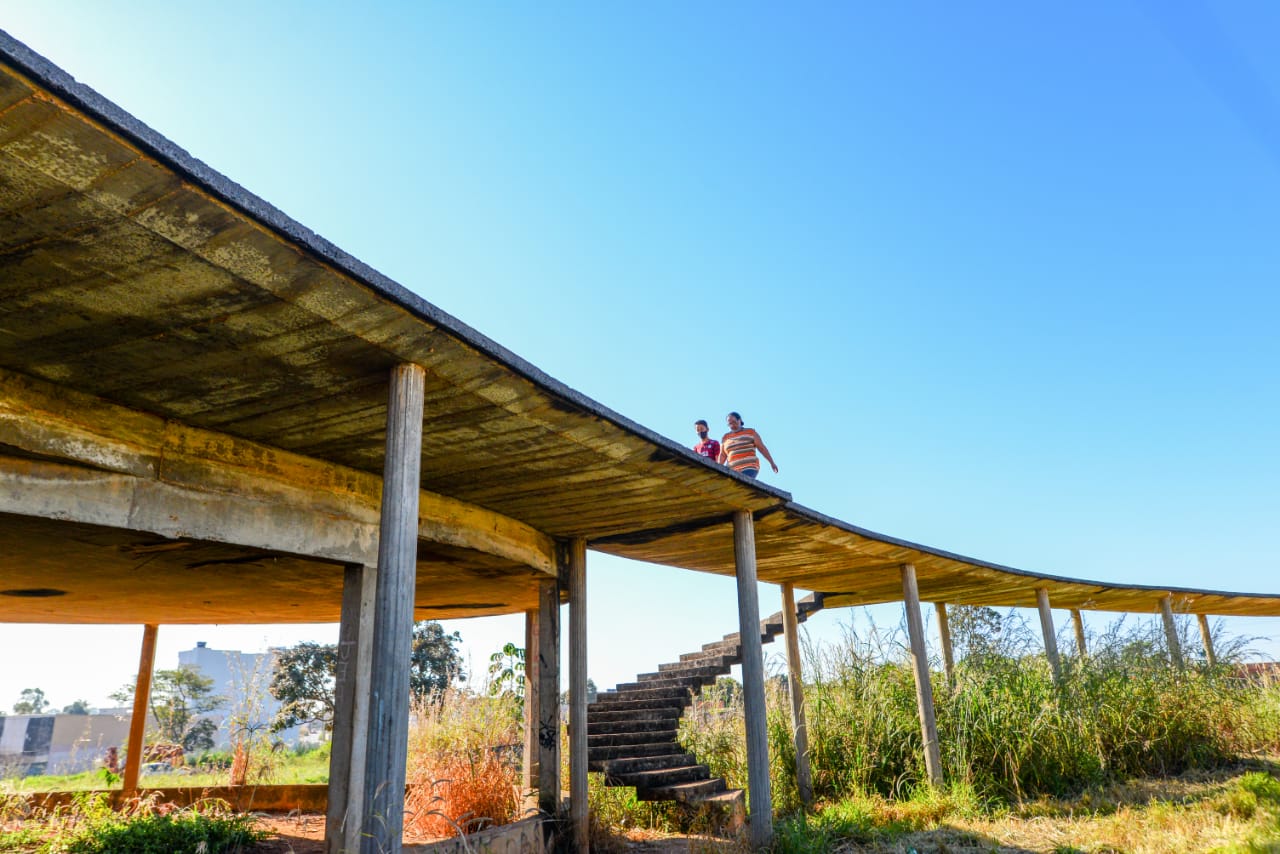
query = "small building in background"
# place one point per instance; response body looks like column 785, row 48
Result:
column 59, row 744
column 244, row 679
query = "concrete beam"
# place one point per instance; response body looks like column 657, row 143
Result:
column 131, row 470
column 344, row 817
column 758, row 793
column 1171, row 632
column 1077, row 623
column 548, row 653
column 141, row 707
column 795, row 687
column 578, row 824
column 532, row 710
column 944, row 635
column 388, row 732
column 1206, row 638
column 1050, row 634
column 920, row 667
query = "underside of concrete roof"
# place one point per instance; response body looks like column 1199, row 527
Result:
column 193, row 397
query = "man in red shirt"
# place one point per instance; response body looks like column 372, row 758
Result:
column 706, row 447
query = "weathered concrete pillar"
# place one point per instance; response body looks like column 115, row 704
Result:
column 795, row 687
column 529, row 773
column 578, row 695
column 350, row 743
column 944, row 634
column 141, row 704
column 383, row 784
column 1050, row 634
column 1171, row 632
column 744, row 552
column 1207, row 639
column 920, row 666
column 1077, row 622
column 549, row 698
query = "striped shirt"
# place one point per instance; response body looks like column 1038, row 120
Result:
column 740, row 449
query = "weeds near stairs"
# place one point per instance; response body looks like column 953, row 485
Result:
column 1010, row 735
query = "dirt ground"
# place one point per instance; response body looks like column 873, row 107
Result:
column 294, row 834
column 304, row 834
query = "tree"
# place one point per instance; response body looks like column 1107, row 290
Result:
column 79, row 707
column 31, row 702
column 305, row 675
column 592, row 693
column 304, row 682
column 178, row 699
column 977, row 631
column 434, row 661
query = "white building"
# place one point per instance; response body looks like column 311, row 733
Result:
column 244, row 679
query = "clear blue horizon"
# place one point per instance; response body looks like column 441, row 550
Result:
column 998, row 279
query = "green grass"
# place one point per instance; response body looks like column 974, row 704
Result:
column 288, row 768
column 90, row 826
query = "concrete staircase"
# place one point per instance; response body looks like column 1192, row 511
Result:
column 631, row 729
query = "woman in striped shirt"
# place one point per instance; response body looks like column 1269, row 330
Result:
column 739, row 445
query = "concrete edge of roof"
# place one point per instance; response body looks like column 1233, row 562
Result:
column 120, row 121
column 812, row 515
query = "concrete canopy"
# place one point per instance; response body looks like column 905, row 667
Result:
column 193, row 394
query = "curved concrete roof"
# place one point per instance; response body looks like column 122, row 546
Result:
column 135, row 276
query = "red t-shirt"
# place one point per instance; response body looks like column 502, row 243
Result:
column 708, row 448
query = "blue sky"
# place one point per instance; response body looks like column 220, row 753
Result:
column 999, row 278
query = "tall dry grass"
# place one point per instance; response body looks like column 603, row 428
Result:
column 464, row 754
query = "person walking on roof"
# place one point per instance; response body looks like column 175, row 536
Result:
column 738, row 448
column 706, row 447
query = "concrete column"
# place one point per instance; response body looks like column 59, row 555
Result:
column 761, row 799
column 1077, row 622
column 529, row 774
column 1050, row 635
column 351, row 711
column 383, row 784
column 795, row 687
column 141, row 704
column 1171, row 632
column 920, row 666
column 944, row 634
column 1207, row 639
column 549, row 698
column 578, row 695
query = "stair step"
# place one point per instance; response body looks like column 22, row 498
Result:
column 684, row 792
column 727, row 797
column 664, row 713
column 660, row 777
column 699, row 659
column 601, row 754
column 660, row 725
column 721, row 648
column 629, row 693
column 611, row 703
column 765, row 637
column 633, row 764
column 810, row 604
column 686, row 672
column 666, row 681
column 618, row 739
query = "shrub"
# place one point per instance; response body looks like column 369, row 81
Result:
column 90, row 826
column 463, row 764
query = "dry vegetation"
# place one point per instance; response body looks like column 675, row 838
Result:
column 463, row 771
